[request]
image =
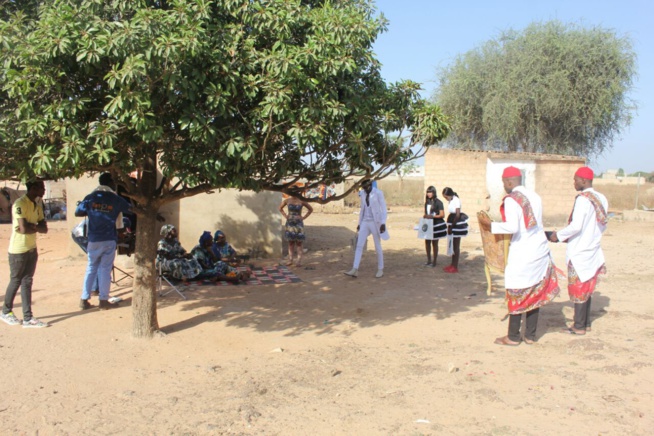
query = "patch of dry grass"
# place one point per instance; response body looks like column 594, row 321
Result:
column 623, row 197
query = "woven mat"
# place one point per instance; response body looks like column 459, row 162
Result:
column 269, row 275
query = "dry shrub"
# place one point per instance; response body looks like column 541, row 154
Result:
column 623, row 197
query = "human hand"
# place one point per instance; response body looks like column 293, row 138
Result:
column 554, row 237
column 382, row 228
column 426, row 216
column 449, row 230
column 358, row 227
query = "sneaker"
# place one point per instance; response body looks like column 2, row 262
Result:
column 352, row 273
column 380, row 273
column 10, row 318
column 85, row 305
column 106, row 305
column 35, row 324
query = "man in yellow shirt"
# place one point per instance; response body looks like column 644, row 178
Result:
column 27, row 220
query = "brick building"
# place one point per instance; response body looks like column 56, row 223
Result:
column 477, row 177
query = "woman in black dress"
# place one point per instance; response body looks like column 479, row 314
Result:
column 434, row 210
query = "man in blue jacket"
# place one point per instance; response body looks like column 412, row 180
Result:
column 104, row 211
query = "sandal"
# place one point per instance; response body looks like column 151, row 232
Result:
column 572, row 331
column 504, row 340
column 529, row 341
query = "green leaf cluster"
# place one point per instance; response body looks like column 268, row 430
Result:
column 550, row 88
column 213, row 94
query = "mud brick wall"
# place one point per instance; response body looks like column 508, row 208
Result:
column 463, row 171
column 555, row 185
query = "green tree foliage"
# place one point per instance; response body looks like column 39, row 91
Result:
column 551, row 88
column 211, row 94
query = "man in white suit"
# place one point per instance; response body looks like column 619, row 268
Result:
column 372, row 221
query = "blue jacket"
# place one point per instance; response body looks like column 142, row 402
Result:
column 102, row 207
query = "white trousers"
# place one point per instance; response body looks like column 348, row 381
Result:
column 366, row 229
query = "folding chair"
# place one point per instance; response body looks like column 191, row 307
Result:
column 160, row 279
column 125, row 274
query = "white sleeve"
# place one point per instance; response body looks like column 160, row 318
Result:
column 513, row 215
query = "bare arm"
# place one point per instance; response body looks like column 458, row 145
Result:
column 309, row 210
column 281, row 208
column 25, row 227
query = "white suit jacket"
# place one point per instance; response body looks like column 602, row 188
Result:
column 378, row 208
column 529, row 254
column 584, row 234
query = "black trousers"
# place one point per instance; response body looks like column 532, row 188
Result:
column 21, row 271
column 582, row 315
column 531, row 325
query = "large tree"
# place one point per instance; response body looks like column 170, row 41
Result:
column 206, row 94
column 551, row 88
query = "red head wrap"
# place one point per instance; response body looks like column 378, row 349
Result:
column 511, row 172
column 585, row 173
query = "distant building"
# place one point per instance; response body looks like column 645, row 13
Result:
column 611, row 177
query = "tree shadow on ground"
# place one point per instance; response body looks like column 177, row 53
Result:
column 327, row 300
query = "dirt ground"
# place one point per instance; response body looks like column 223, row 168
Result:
column 411, row 353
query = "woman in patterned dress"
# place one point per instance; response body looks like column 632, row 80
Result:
column 294, row 229
column 212, row 267
column 174, row 260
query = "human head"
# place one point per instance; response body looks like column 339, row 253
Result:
column 205, row 239
column 367, row 185
column 35, row 188
column 431, row 190
column 511, row 177
column 168, row 231
column 449, row 193
column 219, row 237
column 583, row 178
column 106, row 179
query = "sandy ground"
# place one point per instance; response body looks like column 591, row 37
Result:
column 411, row 353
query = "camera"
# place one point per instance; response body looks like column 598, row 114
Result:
column 126, row 243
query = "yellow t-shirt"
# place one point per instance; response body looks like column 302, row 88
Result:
column 33, row 213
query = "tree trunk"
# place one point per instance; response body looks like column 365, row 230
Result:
column 144, row 302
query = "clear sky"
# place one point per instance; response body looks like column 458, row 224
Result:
column 424, row 35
